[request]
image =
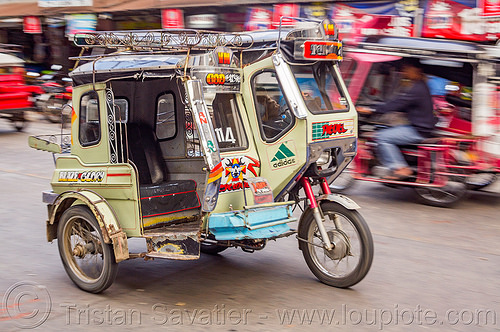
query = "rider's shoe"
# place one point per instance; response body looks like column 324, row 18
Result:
column 400, row 174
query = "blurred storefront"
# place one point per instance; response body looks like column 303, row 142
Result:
column 49, row 40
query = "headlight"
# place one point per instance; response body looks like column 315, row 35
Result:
column 324, row 158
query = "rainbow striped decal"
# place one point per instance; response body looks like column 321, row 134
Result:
column 215, row 173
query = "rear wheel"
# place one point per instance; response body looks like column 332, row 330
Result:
column 88, row 261
column 447, row 196
column 351, row 257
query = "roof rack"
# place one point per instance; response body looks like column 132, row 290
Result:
column 163, row 40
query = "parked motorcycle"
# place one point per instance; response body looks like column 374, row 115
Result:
column 55, row 92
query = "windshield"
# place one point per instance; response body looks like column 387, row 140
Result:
column 320, row 87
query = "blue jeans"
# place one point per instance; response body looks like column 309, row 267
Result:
column 388, row 141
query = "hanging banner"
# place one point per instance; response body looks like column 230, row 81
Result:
column 284, row 9
column 172, row 19
column 78, row 23
column 459, row 19
column 31, row 24
column 258, row 18
column 357, row 20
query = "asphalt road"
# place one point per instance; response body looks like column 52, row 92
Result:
column 434, row 269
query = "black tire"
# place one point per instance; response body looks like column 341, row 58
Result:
column 356, row 258
column 19, row 121
column 89, row 262
column 211, row 248
column 447, row 196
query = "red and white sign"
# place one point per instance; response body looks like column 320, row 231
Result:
column 354, row 23
column 490, row 7
column 172, row 19
column 285, row 9
column 258, row 18
column 453, row 20
column 31, row 24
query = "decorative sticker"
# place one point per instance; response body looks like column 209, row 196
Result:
column 332, row 129
column 235, row 171
column 282, row 155
column 81, row 176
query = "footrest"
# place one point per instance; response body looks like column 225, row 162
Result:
column 258, row 223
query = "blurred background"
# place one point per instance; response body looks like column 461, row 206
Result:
column 44, row 28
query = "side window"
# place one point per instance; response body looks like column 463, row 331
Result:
column 90, row 124
column 121, row 110
column 273, row 113
column 227, row 122
column 165, row 116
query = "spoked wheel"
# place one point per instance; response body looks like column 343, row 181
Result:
column 351, row 257
column 89, row 262
column 446, row 196
column 210, row 247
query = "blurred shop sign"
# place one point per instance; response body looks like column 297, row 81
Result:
column 287, row 10
column 461, row 19
column 490, row 7
column 258, row 18
column 360, row 19
column 202, row 21
column 32, row 24
column 76, row 23
column 172, row 19
column 65, row 3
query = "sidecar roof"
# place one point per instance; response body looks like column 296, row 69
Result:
column 123, row 65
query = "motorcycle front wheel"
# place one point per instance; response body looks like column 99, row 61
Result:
column 351, row 257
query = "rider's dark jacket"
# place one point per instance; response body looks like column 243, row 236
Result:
column 416, row 102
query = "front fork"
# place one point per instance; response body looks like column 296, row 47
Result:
column 313, row 204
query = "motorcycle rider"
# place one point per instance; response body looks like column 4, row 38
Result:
column 415, row 102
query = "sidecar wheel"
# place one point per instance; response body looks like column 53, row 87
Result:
column 447, row 196
column 88, row 261
column 352, row 256
column 211, row 248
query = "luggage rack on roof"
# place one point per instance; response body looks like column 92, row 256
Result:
column 164, row 40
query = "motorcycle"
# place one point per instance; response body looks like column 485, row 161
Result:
column 54, row 90
column 173, row 146
column 437, row 178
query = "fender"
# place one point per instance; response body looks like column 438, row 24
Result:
column 104, row 214
column 336, row 198
column 345, row 201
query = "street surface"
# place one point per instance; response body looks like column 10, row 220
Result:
column 434, row 269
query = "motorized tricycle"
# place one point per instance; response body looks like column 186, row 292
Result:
column 460, row 78
column 15, row 95
column 201, row 141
